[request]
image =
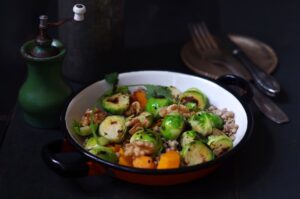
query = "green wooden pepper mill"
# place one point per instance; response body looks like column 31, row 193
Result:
column 44, row 92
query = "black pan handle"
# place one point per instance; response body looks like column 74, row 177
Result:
column 78, row 168
column 236, row 85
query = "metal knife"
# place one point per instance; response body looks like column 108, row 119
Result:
column 265, row 82
column 263, row 103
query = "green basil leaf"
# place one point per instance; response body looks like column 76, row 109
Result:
column 112, row 78
column 158, row 91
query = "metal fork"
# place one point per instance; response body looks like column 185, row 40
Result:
column 265, row 82
column 208, row 48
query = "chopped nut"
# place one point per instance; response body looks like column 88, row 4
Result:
column 175, row 108
column 134, row 109
column 99, row 116
column 138, row 148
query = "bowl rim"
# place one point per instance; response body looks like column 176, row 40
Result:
column 193, row 168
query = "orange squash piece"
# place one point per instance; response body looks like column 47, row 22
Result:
column 124, row 160
column 169, row 160
column 140, row 96
column 144, row 162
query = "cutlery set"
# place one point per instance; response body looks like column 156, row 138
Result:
column 223, row 52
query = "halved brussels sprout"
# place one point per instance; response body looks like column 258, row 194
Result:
column 97, row 148
column 81, row 130
column 116, row 104
column 90, row 143
column 149, row 137
column 204, row 122
column 194, row 99
column 219, row 144
column 113, row 128
column 93, row 142
column 188, row 137
column 217, row 121
column 105, row 153
column 84, row 131
column 196, row 153
column 154, row 104
column 172, row 126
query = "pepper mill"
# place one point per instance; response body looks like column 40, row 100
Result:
column 44, row 92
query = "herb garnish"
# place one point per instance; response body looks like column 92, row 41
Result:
column 152, row 90
column 113, row 80
column 158, row 91
column 93, row 126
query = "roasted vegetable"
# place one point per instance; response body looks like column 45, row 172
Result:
column 113, row 128
column 93, row 142
column 116, row 103
column 219, row 144
column 105, row 153
column 169, row 160
column 154, row 104
column 187, row 137
column 149, row 139
column 172, row 126
column 81, row 130
column 216, row 120
column 143, row 162
column 204, row 122
column 140, row 96
column 84, row 130
column 124, row 160
column 196, row 153
column 194, row 99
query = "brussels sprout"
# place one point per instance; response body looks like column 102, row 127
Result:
column 95, row 147
column 154, row 104
column 113, row 128
column 148, row 137
column 188, row 137
column 204, row 122
column 90, row 143
column 219, row 144
column 103, row 141
column 81, row 130
column 196, row 153
column 85, row 130
column 116, row 104
column 172, row 126
column 105, row 153
column 194, row 99
column 217, row 121
column 93, row 142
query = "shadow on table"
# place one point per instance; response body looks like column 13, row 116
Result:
column 108, row 187
column 252, row 164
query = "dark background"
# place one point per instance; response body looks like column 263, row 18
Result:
column 150, row 25
column 155, row 31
